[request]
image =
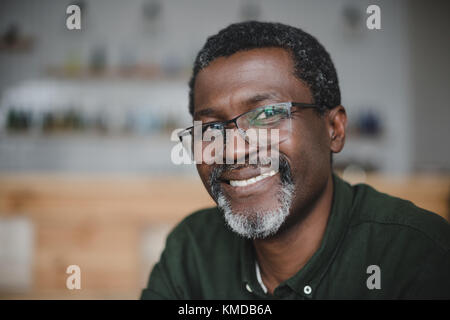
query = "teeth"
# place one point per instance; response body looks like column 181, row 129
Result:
column 243, row 183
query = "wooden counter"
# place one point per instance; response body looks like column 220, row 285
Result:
column 114, row 227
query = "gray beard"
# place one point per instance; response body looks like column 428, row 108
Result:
column 254, row 223
column 258, row 224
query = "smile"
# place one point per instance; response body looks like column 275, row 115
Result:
column 243, row 183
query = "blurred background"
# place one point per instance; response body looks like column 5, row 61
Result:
column 86, row 118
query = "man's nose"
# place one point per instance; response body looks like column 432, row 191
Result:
column 237, row 149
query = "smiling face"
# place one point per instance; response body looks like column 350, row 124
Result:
column 257, row 202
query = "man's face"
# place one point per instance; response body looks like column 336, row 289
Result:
column 232, row 85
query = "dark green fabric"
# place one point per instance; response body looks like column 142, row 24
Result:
column 203, row 259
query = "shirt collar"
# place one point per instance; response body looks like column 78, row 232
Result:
column 315, row 269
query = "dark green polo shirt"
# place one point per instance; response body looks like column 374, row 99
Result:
column 203, row 259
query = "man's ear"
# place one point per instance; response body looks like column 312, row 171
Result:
column 337, row 122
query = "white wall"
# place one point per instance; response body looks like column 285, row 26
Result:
column 430, row 81
column 374, row 67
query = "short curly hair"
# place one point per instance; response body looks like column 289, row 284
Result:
column 312, row 63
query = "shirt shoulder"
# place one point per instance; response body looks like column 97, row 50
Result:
column 382, row 210
column 201, row 225
column 198, row 235
column 409, row 245
column 185, row 269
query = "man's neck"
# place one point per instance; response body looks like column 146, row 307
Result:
column 283, row 256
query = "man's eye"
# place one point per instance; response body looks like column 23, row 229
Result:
column 265, row 114
column 268, row 113
column 212, row 126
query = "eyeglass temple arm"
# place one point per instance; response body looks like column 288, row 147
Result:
column 183, row 133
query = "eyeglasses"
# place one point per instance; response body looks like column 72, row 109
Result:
column 267, row 117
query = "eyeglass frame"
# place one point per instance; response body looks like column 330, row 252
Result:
column 225, row 123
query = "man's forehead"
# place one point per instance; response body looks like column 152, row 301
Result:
column 248, row 61
column 253, row 74
column 249, row 98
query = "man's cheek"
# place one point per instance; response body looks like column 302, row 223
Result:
column 204, row 172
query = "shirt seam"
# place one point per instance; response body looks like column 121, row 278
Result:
column 435, row 241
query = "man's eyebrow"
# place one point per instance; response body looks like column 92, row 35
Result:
column 262, row 97
column 259, row 97
column 204, row 112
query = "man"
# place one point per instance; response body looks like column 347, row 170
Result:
column 298, row 232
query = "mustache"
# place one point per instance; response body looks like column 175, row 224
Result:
column 218, row 169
